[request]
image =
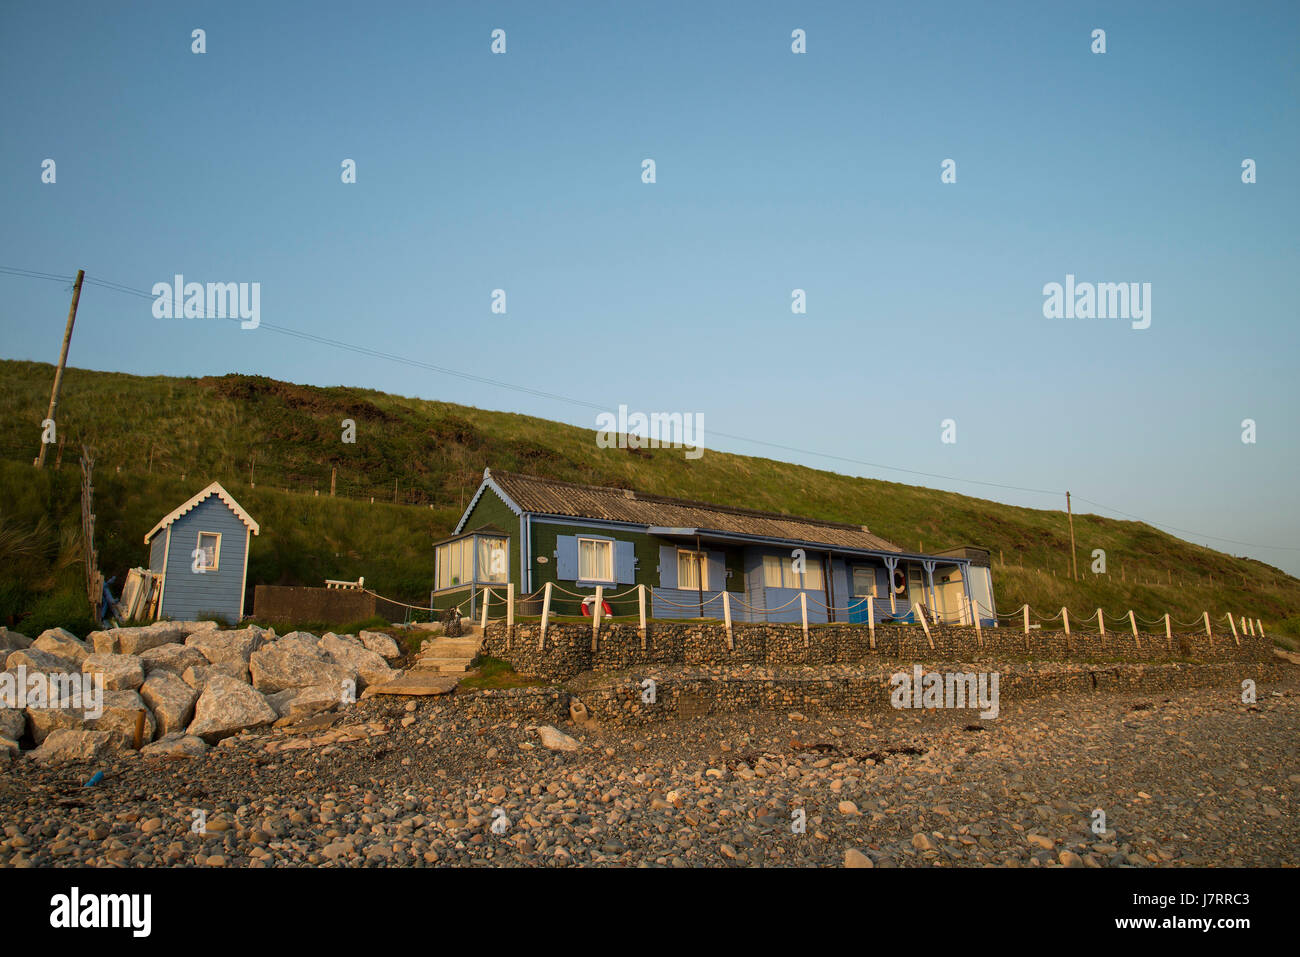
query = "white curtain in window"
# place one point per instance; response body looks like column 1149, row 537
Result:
column 595, row 560
column 493, row 562
column 692, row 570
column 812, row 573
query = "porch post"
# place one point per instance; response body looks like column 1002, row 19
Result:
column 929, row 576
column 970, row 596
column 891, row 564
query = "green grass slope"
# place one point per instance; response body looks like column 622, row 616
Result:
column 159, row 439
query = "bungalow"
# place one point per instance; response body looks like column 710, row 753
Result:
column 529, row 531
column 201, row 552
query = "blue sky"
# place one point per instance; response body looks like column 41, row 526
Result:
column 775, row 171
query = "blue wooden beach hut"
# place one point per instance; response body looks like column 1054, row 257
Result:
column 201, row 551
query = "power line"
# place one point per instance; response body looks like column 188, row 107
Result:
column 526, row 390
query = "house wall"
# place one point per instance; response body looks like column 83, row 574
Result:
column 189, row 594
column 157, row 548
column 490, row 510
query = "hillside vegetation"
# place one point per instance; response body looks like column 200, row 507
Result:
column 274, row 445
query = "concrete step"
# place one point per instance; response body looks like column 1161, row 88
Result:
column 466, row 647
column 442, row 665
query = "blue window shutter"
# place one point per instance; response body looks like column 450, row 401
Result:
column 566, row 557
column 667, row 566
column 717, row 571
column 624, row 563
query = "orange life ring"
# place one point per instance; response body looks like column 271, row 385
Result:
column 604, row 607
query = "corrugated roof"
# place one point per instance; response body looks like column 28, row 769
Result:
column 551, row 497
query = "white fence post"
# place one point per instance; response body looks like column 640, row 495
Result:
column 1233, row 624
column 726, row 616
column 487, row 597
column 510, row 613
column 1208, row 633
column 920, row 615
column 871, row 621
column 546, row 614
column 1026, row 609
column 1132, row 620
column 640, row 599
column 1065, row 617
column 1261, row 628
column 1169, row 632
column 1101, row 623
column 595, row 614
column 803, row 610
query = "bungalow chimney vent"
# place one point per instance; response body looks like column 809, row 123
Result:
column 628, row 493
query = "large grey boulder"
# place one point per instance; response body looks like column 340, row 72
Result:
column 134, row 641
column 381, row 644
column 13, row 722
column 175, row 746
column 119, row 672
column 304, row 642
column 555, row 739
column 62, row 644
column 283, row 664
column 42, row 722
column 121, row 709
column 33, row 659
column 171, row 657
column 228, row 706
column 294, row 703
column 171, row 699
column 371, row 667
column 231, row 648
column 66, row 745
column 12, row 641
column 196, row 676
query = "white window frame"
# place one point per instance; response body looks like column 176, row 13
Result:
column 702, row 565
column 216, row 551
column 875, row 582
column 608, row 544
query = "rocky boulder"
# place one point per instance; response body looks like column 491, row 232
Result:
column 370, row 666
column 171, row 700
column 232, row 648
column 65, row 745
column 228, row 706
column 175, row 746
column 42, row 722
column 119, row 672
column 134, row 641
column 12, row 641
column 196, row 676
column 294, row 703
column 381, row 644
column 284, row 664
column 555, row 739
column 171, row 657
column 62, row 644
column 121, row 709
column 13, row 722
column 33, row 659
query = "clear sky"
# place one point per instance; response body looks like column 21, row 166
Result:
column 775, row 171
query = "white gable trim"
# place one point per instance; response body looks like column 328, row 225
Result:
column 488, row 483
column 213, row 489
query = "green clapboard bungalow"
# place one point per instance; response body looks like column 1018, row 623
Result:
column 528, row 531
column 201, row 549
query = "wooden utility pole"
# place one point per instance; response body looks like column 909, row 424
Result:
column 334, row 474
column 63, row 361
column 252, row 464
column 1074, row 561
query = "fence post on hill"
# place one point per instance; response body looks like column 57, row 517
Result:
column 803, row 611
column 1026, row 611
column 1261, row 628
column 1101, row 623
column 1208, row 633
column 640, row 600
column 546, row 613
column 1169, row 632
column 1132, row 620
column 1233, row 625
column 871, row 621
column 726, row 617
column 595, row 614
column 1065, row 617
column 510, row 612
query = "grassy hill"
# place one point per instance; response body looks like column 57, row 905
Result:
column 275, row 445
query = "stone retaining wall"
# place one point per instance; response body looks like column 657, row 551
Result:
column 568, row 647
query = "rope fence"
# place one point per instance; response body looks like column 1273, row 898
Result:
column 598, row 606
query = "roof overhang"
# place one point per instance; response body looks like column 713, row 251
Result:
column 213, row 489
